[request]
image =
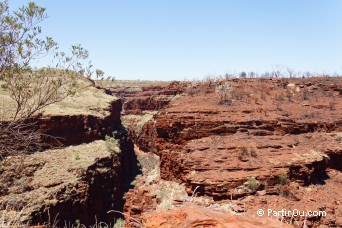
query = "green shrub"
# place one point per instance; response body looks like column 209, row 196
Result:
column 112, row 145
column 119, row 223
column 252, row 184
column 76, row 157
column 283, row 178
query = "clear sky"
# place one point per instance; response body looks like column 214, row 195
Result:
column 178, row 39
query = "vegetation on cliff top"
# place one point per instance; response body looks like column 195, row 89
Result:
column 25, row 91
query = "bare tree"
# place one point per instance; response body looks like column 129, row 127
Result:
column 277, row 71
column 291, row 73
column 252, row 74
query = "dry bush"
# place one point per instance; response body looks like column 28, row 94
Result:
column 209, row 80
column 305, row 94
column 11, row 218
column 283, row 83
column 229, row 75
column 332, row 105
column 18, row 137
column 246, row 151
column 286, row 190
column 283, row 178
column 224, row 92
column 290, row 72
column 191, row 90
column 289, row 95
column 253, row 150
column 243, row 152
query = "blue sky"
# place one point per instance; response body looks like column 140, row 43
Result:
column 188, row 39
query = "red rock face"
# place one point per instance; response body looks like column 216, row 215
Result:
column 190, row 215
column 137, row 202
column 95, row 187
column 78, row 129
column 148, row 98
column 136, row 105
column 216, row 165
column 272, row 129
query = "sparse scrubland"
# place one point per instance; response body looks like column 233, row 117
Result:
column 78, row 152
column 231, row 149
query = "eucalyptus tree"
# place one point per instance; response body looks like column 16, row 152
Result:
column 31, row 89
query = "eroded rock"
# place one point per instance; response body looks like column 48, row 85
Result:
column 75, row 183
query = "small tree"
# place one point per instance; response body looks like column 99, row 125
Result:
column 252, row 184
column 252, row 74
column 291, row 73
column 283, row 178
column 243, row 74
column 224, row 92
column 277, row 71
column 33, row 89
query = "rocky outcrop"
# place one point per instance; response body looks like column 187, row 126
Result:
column 140, row 104
column 81, row 181
column 137, row 202
column 191, row 215
column 76, row 183
column 220, row 165
column 147, row 98
column 150, row 103
column 197, row 127
column 77, row 129
column 272, row 140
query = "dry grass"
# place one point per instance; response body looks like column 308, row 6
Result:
column 136, row 122
column 43, row 175
column 129, row 83
column 57, row 168
column 11, row 218
column 89, row 101
column 86, row 101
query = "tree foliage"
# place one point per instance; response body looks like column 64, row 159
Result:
column 21, row 44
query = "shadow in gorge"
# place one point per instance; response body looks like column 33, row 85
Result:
column 130, row 164
column 335, row 161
